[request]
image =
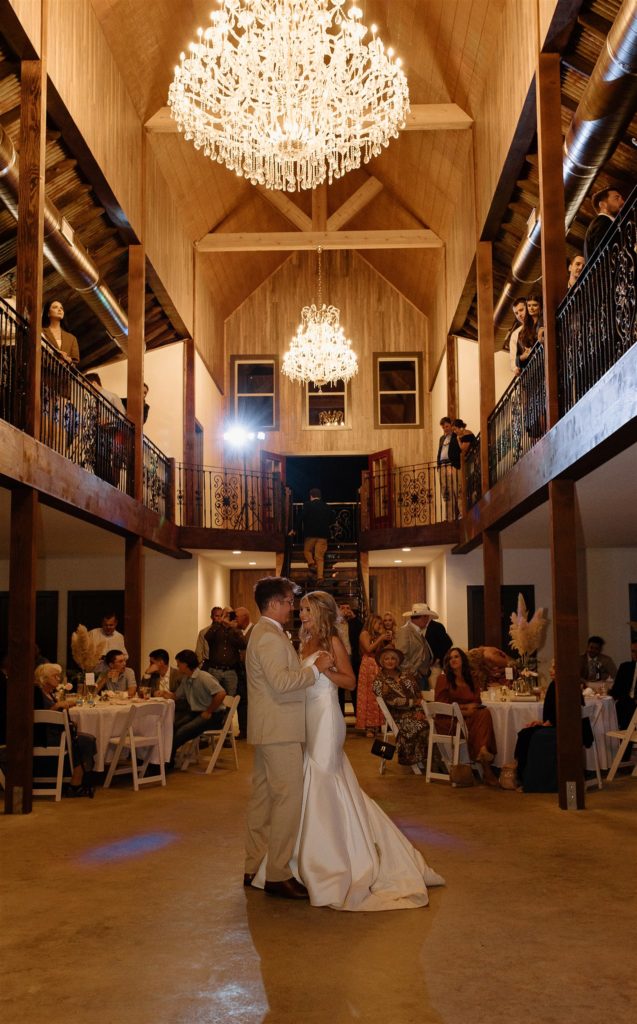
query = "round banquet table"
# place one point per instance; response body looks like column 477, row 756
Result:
column 106, row 719
column 510, row 716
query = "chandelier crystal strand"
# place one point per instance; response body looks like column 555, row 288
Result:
column 286, row 92
column 320, row 353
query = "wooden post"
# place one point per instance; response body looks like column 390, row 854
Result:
column 319, row 208
column 550, row 155
column 452, row 378
column 484, row 271
column 570, row 753
column 492, row 562
column 134, row 602
column 189, row 507
column 135, row 383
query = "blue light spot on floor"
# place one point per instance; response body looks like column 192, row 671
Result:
column 123, row 849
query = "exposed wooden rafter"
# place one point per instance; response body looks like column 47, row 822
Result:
column 281, row 241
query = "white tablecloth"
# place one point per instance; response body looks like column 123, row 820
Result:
column 107, row 719
column 510, row 716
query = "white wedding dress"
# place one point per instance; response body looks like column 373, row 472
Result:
column 348, row 853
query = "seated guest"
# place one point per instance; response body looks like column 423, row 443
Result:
column 225, row 642
column 116, row 676
column 455, row 684
column 204, row 696
column 593, row 664
column 107, row 638
column 624, row 689
column 201, row 648
column 158, row 673
column 83, row 747
column 403, row 697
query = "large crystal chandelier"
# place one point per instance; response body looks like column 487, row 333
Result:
column 286, row 93
column 320, row 353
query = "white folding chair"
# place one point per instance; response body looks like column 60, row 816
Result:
column 390, row 729
column 592, row 713
column 626, row 736
column 60, row 719
column 449, row 743
column 142, row 735
column 225, row 732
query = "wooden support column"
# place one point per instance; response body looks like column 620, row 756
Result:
column 188, row 487
column 484, row 271
column 452, row 377
column 492, row 562
column 134, row 602
column 550, row 156
column 135, row 383
column 319, row 208
column 570, row 752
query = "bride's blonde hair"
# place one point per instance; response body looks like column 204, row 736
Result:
column 324, row 616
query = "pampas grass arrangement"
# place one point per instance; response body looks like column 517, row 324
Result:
column 86, row 652
column 527, row 637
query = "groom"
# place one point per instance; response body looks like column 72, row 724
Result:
column 276, row 727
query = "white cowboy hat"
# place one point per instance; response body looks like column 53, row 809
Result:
column 420, row 609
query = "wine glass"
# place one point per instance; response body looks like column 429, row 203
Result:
column 91, row 689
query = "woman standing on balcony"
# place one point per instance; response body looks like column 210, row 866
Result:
column 374, row 637
column 61, row 340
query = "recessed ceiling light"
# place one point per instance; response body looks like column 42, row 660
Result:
column 252, row 563
column 236, row 552
column 398, row 561
column 405, row 549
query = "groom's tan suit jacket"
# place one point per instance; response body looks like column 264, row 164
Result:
column 276, row 687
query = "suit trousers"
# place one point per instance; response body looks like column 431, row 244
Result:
column 274, row 811
column 314, row 551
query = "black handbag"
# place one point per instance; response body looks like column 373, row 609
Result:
column 384, row 749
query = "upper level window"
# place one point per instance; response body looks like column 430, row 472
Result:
column 398, row 390
column 254, row 392
column 326, row 408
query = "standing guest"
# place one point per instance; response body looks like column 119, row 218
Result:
column 624, row 689
column 520, row 314
column 317, row 519
column 448, row 460
column 423, row 641
column 158, row 673
column 201, row 648
column 245, row 626
column 607, row 203
column 593, row 665
column 56, row 334
column 455, row 684
column 372, row 640
column 108, row 635
column 225, row 642
column 575, row 268
column 116, row 676
column 203, row 696
column 110, row 396
column 243, row 621
column 464, row 436
column 124, row 402
column 532, row 330
column 403, row 696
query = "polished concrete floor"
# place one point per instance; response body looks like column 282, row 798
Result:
column 129, row 908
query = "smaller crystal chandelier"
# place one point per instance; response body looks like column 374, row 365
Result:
column 320, row 353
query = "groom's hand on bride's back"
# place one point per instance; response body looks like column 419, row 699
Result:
column 324, row 661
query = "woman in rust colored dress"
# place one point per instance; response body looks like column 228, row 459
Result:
column 373, row 638
column 456, row 684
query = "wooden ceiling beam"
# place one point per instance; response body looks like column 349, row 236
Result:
column 281, row 202
column 356, row 202
column 289, row 241
column 423, row 117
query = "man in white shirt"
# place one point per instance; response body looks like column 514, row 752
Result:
column 108, row 635
column 159, row 675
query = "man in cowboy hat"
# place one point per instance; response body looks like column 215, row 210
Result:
column 423, row 641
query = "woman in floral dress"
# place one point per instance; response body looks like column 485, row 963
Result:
column 403, row 697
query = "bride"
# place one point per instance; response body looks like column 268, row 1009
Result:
column 348, row 853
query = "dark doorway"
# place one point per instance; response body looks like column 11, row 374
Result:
column 46, row 623
column 337, row 476
column 88, row 607
column 508, row 604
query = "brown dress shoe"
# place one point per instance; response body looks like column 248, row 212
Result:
column 247, row 879
column 290, row 889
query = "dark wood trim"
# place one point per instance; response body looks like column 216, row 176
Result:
column 135, row 367
column 492, row 564
column 420, row 398
column 134, row 602
column 30, row 238
column 486, row 345
column 602, row 424
column 409, row 536
column 22, row 583
column 563, row 532
column 65, row 486
column 562, row 24
column 158, row 289
column 228, row 540
column 553, row 242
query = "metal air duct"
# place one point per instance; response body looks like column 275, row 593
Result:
column 604, row 112
column 64, row 251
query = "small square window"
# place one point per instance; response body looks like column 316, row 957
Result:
column 254, row 392
column 326, row 408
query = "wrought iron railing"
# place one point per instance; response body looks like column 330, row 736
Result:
column 155, row 479
column 597, row 320
column 12, row 336
column 419, row 495
column 519, row 419
column 230, row 499
column 77, row 421
column 344, row 528
column 472, row 476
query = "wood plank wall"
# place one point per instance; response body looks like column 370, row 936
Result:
column 209, row 329
column 242, row 583
column 376, row 318
column 397, row 589
column 168, row 246
column 29, row 13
